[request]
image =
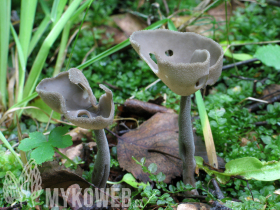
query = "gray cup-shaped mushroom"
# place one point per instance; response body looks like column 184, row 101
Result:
column 69, row 93
column 186, row 62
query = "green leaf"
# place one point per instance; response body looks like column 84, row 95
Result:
column 42, row 153
column 152, row 168
column 57, row 138
column 38, row 114
column 35, row 139
column 266, row 139
column 129, row 179
column 160, row 202
column 247, row 168
column 217, row 113
column 161, row 176
column 269, row 55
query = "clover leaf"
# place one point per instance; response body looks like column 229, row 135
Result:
column 43, row 147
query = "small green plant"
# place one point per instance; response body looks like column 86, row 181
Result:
column 162, row 195
column 43, row 148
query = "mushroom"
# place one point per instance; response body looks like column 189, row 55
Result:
column 69, row 93
column 185, row 62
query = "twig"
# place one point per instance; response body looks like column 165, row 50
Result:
column 218, row 206
column 250, row 190
column 261, row 123
column 239, row 63
column 243, row 78
column 256, row 106
column 218, row 191
column 273, row 2
column 166, row 7
column 251, row 43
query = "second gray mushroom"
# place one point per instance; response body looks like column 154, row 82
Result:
column 185, row 62
column 69, row 93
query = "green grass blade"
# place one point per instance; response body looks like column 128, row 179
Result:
column 207, row 133
column 62, row 47
column 65, row 35
column 21, row 62
column 59, row 10
column 69, row 60
column 171, row 25
column 5, row 16
column 45, row 8
column 54, row 10
column 6, row 143
column 27, row 14
column 38, row 34
column 79, row 10
column 117, row 47
column 44, row 50
column 24, row 101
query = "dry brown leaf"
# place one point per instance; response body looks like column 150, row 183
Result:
column 157, row 141
column 129, row 23
column 143, row 109
column 274, row 88
column 117, row 35
column 219, row 12
column 193, row 206
column 73, row 152
column 78, row 133
column 57, row 176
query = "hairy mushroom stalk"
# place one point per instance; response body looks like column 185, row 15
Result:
column 185, row 62
column 69, row 93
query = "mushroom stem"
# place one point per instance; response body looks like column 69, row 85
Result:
column 186, row 142
column 102, row 163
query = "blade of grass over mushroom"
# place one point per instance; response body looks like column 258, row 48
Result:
column 44, row 50
column 72, row 50
column 209, row 142
column 5, row 14
column 65, row 36
column 118, row 46
column 207, row 133
column 6, row 143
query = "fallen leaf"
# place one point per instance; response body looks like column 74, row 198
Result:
column 109, row 31
column 129, row 23
column 78, row 133
column 193, row 206
column 57, row 176
column 143, row 109
column 157, row 141
column 244, row 142
column 273, row 88
column 72, row 152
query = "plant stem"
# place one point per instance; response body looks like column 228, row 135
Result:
column 186, row 142
column 102, row 163
column 64, row 156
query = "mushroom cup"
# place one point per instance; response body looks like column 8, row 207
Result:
column 185, row 62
